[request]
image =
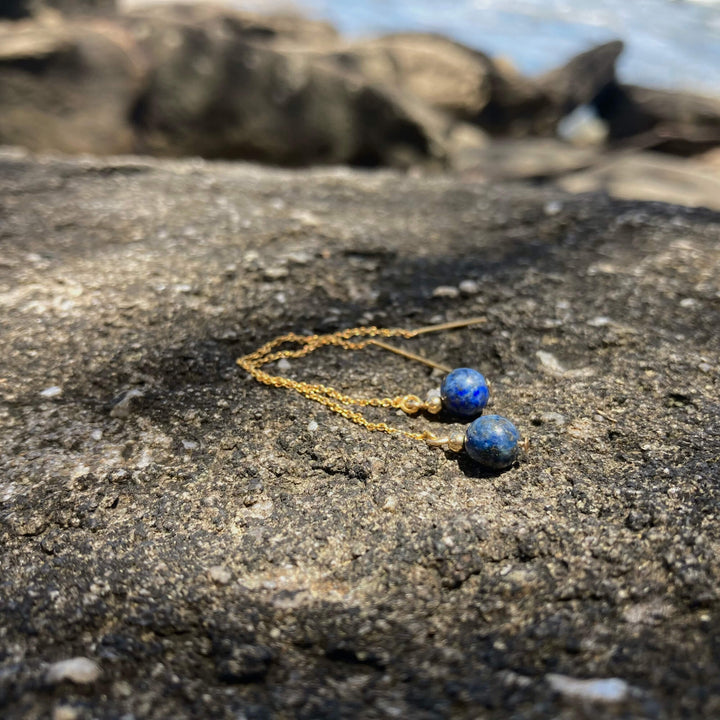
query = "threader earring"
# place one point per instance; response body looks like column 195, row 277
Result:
column 491, row 440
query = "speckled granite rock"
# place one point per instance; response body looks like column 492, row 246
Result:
column 210, row 547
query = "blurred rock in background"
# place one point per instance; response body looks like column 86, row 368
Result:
column 69, row 87
column 676, row 123
column 210, row 81
column 230, row 85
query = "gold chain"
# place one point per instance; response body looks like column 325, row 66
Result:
column 333, row 399
column 323, row 394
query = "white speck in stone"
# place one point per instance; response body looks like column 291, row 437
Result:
column 299, row 258
column 705, row 367
column 65, row 712
column 599, row 321
column 312, row 426
column 390, row 710
column 190, row 444
column 390, row 504
column 122, row 688
column 432, row 393
column 305, row 217
column 688, row 302
column 220, row 574
column 145, row 459
column 51, row 392
column 281, row 298
column 121, row 409
column 283, row 364
column 96, row 434
column 80, row 470
column 80, row 670
column 183, row 288
column 610, row 690
column 549, row 361
column 469, row 287
column 7, row 490
column 275, row 273
column 554, row 417
column 445, row 291
column 553, row 207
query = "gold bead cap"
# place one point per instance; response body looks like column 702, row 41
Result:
column 412, row 404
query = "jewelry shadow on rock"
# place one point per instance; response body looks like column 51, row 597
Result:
column 471, row 469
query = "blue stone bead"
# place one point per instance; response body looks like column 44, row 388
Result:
column 464, row 393
column 492, row 441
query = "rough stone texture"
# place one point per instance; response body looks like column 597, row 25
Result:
column 223, row 549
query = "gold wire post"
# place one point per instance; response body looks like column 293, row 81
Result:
column 449, row 325
column 454, row 324
column 411, row 356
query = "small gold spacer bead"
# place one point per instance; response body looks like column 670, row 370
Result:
column 434, row 405
column 411, row 404
column 456, row 442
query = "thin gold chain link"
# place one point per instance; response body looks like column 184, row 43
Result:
column 328, row 396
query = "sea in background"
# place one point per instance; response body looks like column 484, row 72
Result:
column 671, row 44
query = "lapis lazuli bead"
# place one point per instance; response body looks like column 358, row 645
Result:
column 464, row 393
column 492, row 441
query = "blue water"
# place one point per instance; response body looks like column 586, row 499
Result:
column 670, row 44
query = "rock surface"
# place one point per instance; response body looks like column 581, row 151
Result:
column 522, row 107
column 630, row 175
column 205, row 80
column 224, row 549
column 69, row 87
column 649, row 176
column 444, row 74
column 677, row 123
column 219, row 88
